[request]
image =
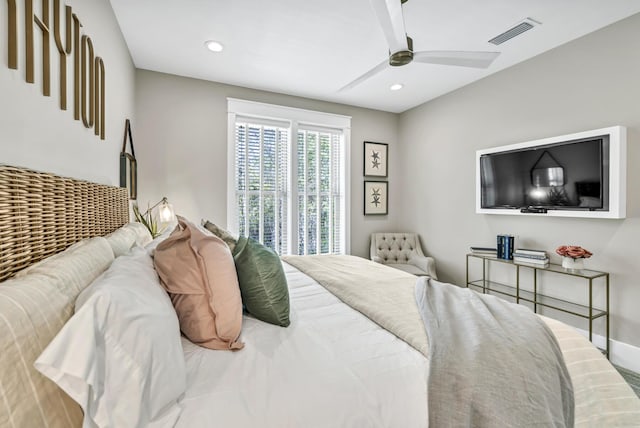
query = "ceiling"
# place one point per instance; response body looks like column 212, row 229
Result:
column 312, row 48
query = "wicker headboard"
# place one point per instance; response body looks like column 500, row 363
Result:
column 42, row 214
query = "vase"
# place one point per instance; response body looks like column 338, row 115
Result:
column 571, row 263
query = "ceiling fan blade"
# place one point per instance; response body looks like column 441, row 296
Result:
column 459, row 58
column 389, row 14
column 375, row 70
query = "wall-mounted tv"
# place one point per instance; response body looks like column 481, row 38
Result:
column 577, row 175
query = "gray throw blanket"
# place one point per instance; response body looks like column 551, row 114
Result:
column 492, row 363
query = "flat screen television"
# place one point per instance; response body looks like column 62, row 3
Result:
column 580, row 175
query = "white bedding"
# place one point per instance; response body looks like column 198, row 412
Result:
column 332, row 367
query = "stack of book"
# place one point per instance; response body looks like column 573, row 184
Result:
column 535, row 257
column 505, row 247
column 484, row 251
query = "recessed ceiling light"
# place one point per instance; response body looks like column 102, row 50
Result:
column 213, row 46
column 396, row 86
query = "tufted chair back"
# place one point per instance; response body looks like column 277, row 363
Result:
column 395, row 248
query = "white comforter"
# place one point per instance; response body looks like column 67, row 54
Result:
column 332, row 367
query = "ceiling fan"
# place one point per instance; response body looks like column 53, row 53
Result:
column 401, row 52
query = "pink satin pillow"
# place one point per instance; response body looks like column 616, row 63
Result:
column 198, row 272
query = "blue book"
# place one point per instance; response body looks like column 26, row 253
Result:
column 505, row 247
column 510, row 243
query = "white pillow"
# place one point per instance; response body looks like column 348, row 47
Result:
column 122, row 240
column 120, row 355
column 77, row 266
column 143, row 236
column 151, row 246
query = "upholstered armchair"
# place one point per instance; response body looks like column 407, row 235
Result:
column 402, row 251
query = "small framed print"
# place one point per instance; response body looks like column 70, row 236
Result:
column 376, row 159
column 376, row 197
column 129, row 174
column 128, row 164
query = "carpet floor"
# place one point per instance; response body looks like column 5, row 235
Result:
column 632, row 379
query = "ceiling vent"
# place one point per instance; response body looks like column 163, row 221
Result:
column 525, row 25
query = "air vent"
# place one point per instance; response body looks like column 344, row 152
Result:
column 525, row 25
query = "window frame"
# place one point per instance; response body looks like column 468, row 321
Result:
column 296, row 118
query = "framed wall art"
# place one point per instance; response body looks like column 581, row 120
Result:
column 376, row 159
column 128, row 164
column 376, row 197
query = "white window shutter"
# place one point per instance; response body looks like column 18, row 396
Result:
column 263, row 176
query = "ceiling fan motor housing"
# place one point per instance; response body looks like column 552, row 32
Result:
column 400, row 58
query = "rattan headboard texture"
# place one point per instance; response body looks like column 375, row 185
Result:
column 42, row 214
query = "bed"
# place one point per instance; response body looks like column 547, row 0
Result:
column 332, row 366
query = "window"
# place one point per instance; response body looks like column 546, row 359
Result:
column 319, row 198
column 261, row 168
column 288, row 178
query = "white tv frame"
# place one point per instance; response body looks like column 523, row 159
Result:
column 617, row 174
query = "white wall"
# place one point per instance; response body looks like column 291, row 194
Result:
column 590, row 83
column 34, row 132
column 180, row 136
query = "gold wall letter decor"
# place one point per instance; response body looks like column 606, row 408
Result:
column 63, row 49
column 99, row 97
column 89, row 82
column 29, row 19
column 12, row 34
column 76, row 67
column 87, row 58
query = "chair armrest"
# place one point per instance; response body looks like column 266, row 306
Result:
column 424, row 263
column 377, row 259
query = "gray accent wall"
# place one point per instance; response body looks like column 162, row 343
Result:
column 590, row 83
column 181, row 144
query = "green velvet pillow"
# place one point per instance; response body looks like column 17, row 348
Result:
column 263, row 284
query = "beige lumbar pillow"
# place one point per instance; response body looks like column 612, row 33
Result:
column 199, row 273
column 221, row 233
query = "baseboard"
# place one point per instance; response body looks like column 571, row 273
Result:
column 621, row 354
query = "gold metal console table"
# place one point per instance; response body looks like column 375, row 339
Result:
column 589, row 312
